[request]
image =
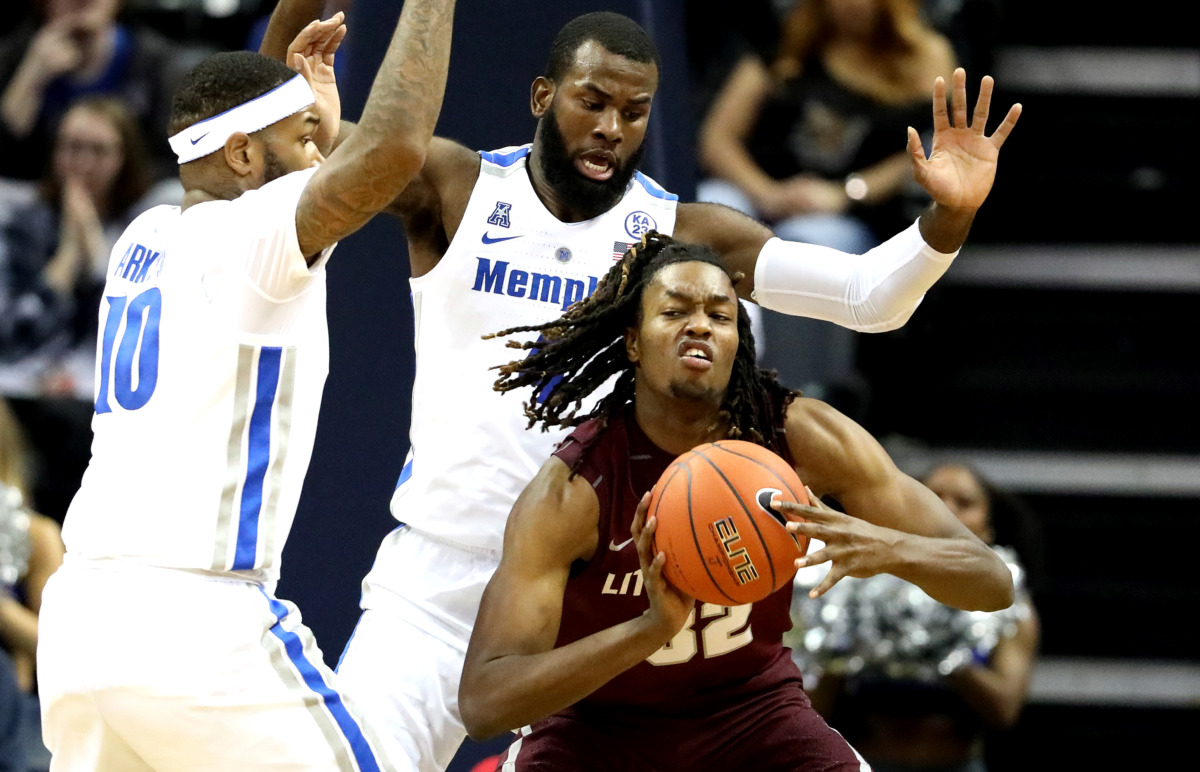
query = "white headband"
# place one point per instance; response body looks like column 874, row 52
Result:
column 209, row 135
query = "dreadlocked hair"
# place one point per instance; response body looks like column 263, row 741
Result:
column 585, row 347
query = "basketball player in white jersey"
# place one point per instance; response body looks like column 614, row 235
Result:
column 162, row 644
column 513, row 237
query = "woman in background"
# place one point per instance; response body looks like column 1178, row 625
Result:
column 813, row 143
column 54, row 250
column 916, row 686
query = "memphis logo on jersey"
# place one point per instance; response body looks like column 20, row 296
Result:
column 500, row 278
column 137, row 264
column 738, row 559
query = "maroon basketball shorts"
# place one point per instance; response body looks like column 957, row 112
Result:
column 775, row 730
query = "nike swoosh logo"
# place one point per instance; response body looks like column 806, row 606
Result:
column 612, row 545
column 202, row 136
column 489, row 240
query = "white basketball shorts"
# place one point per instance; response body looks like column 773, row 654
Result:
column 158, row 669
column 404, row 661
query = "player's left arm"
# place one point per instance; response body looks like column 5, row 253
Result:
column 879, row 290
column 892, row 523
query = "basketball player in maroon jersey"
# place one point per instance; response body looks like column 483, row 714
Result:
column 580, row 642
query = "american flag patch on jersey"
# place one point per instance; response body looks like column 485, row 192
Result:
column 620, row 248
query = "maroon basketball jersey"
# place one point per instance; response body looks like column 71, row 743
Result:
column 722, row 652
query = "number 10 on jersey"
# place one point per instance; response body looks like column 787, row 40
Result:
column 137, row 322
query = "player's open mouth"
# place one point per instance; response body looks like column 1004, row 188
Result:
column 696, row 355
column 596, row 165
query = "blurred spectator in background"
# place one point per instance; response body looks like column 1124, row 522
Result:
column 31, row 549
column 54, row 249
column 67, row 49
column 973, row 28
column 914, row 685
column 812, row 142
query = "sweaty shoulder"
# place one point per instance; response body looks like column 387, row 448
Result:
column 571, row 448
column 832, row 452
column 560, row 510
column 586, row 450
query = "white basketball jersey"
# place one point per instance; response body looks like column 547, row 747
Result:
column 511, row 263
column 211, row 360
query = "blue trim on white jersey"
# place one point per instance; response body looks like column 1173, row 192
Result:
column 349, row 640
column 258, row 458
column 405, row 474
column 329, row 697
column 504, row 159
column 652, row 187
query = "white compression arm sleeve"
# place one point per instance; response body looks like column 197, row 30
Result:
column 875, row 292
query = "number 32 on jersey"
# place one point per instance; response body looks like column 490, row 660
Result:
column 132, row 374
column 728, row 631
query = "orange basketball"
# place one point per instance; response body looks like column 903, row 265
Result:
column 723, row 542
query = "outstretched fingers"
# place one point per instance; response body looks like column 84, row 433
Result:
column 959, row 101
column 334, row 42
column 941, row 119
column 915, row 148
column 833, row 577
column 332, row 33
column 320, row 38
column 300, row 64
column 983, row 104
column 1002, row 131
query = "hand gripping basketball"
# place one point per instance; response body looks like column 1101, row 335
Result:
column 723, row 541
column 669, row 607
column 852, row 546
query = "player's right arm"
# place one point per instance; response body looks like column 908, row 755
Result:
column 513, row 674
column 431, row 206
column 879, row 290
column 387, row 149
column 892, row 523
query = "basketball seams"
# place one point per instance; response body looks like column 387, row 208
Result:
column 782, row 480
column 664, row 485
column 723, row 445
column 695, row 537
column 737, row 495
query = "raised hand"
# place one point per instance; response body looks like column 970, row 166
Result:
column 312, row 55
column 81, row 219
column 53, row 51
column 669, row 607
column 961, row 166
